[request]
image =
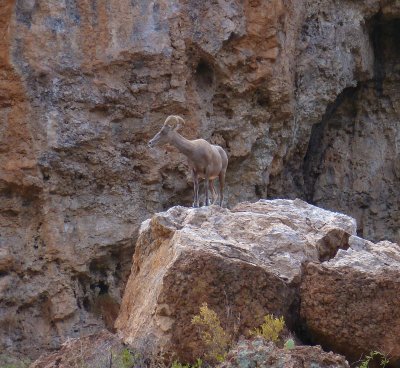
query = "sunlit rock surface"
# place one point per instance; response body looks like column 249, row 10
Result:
column 244, row 263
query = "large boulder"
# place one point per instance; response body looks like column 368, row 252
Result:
column 244, row 263
column 351, row 303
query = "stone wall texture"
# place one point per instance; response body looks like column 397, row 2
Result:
column 302, row 94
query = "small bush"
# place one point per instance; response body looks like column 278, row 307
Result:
column 127, row 359
column 289, row 344
column 270, row 329
column 214, row 337
column 198, row 364
column 384, row 361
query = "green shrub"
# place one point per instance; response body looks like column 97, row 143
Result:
column 289, row 344
column 214, row 337
column 127, row 358
column 270, row 329
column 384, row 361
column 198, row 364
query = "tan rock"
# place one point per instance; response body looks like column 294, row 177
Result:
column 349, row 304
column 244, row 263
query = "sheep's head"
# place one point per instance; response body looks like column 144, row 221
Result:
column 172, row 123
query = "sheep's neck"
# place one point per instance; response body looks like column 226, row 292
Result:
column 182, row 144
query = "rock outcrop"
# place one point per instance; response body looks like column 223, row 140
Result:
column 243, row 263
column 104, row 350
column 259, row 353
column 350, row 303
column 281, row 257
column 283, row 86
column 100, row 350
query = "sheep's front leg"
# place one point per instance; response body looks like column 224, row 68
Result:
column 195, row 189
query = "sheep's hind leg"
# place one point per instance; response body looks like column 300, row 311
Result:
column 221, row 187
column 214, row 194
column 206, row 184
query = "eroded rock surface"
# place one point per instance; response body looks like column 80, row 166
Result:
column 100, row 350
column 103, row 350
column 349, row 160
column 244, row 263
column 84, row 85
column 259, row 353
column 350, row 304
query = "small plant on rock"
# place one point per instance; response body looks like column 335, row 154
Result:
column 383, row 360
column 289, row 344
column 198, row 364
column 127, row 359
column 270, row 329
column 214, row 337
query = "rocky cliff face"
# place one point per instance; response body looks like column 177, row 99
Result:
column 301, row 94
column 347, row 108
column 352, row 161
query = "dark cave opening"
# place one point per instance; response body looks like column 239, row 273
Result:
column 375, row 26
column 314, row 156
column 204, row 75
column 385, row 40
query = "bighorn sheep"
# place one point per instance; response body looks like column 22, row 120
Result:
column 207, row 161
